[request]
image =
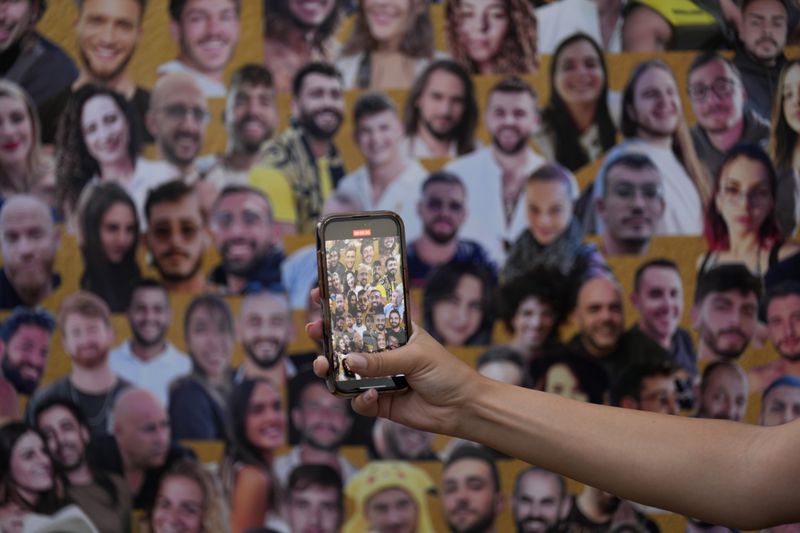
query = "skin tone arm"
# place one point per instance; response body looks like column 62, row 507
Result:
column 725, row 473
column 249, row 499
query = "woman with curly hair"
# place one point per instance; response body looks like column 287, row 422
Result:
column 24, row 168
column 493, row 36
column 577, row 126
column 96, row 142
column 390, row 45
column 109, row 238
column 188, row 501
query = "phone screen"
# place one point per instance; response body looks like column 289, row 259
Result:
column 366, row 297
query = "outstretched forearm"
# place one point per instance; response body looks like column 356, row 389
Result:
column 719, row 471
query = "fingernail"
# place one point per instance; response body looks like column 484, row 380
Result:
column 356, row 361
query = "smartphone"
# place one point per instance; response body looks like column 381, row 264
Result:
column 361, row 260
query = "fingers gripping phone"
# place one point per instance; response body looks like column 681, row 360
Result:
column 361, row 262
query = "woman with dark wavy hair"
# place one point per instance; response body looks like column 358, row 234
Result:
column 187, row 497
column 493, row 36
column 576, row 124
column 390, row 45
column 97, row 141
column 109, row 231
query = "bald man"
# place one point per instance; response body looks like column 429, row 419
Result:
column 599, row 315
column 28, row 243
column 140, row 448
column 177, row 119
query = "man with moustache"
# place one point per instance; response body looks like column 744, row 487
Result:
column 297, row 32
column 243, row 232
column 759, row 54
column 103, row 496
column 250, row 118
column 176, row 237
column 723, row 392
column 87, row 335
column 537, row 500
column 301, row 166
column 781, row 304
column 26, row 337
column 177, row 119
column 25, row 55
column 597, row 511
column 442, row 210
column 648, row 387
column 396, row 326
column 494, row 176
column 376, row 305
column 314, row 499
column 323, row 422
column 140, row 449
column 265, row 329
column 148, row 359
column 632, row 204
column 441, row 113
column 658, row 297
column 725, row 311
column 206, row 32
column 718, row 100
column 471, row 495
column 107, row 32
column 29, row 241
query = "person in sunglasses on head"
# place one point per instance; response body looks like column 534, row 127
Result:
column 442, row 211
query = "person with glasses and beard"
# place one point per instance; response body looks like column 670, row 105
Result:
column 265, row 329
column 302, row 166
column 442, row 211
column 26, row 338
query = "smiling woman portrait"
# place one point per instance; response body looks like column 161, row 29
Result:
column 493, row 36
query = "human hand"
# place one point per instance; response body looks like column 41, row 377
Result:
column 441, row 386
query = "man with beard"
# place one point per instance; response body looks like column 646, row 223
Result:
column 389, row 281
column 297, row 32
column 29, row 241
column 759, row 54
column 396, row 326
column 314, row 499
column 322, row 422
column 243, row 232
column 441, row 113
column 26, row 337
column 177, row 118
column 87, row 335
column 391, row 440
column 148, row 359
column 250, row 118
column 140, row 449
column 25, row 55
column 176, row 237
column 376, row 305
column 442, row 210
column 725, row 311
column 206, row 32
column 301, row 166
column 103, row 496
column 781, row 304
column 632, row 204
column 265, row 329
column 107, row 32
column 601, row 336
column 494, row 177
column 723, row 392
column 537, row 500
column 389, row 179
column 658, row 297
column 718, row 101
column 471, row 495
column 595, row 511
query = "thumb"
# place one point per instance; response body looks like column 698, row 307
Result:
column 379, row 364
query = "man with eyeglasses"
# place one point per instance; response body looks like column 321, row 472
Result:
column 176, row 237
column 718, row 101
column 442, row 211
column 245, row 237
column 632, row 205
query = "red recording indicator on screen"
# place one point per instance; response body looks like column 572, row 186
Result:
column 367, row 232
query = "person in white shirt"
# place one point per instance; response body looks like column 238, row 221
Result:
column 389, row 180
column 495, row 176
column 148, row 359
column 601, row 19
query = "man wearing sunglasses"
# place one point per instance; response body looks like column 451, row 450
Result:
column 442, row 211
column 723, row 120
column 632, row 205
